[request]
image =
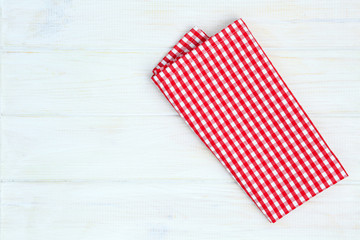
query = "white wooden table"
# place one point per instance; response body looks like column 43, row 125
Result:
column 90, row 149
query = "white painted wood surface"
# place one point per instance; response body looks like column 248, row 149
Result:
column 90, row 149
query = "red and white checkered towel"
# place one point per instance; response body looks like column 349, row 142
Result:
column 230, row 94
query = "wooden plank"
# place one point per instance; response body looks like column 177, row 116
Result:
column 118, row 83
column 144, row 24
column 167, row 209
column 137, row 147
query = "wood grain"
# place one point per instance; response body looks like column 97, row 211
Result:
column 159, row 24
column 90, row 149
column 133, row 147
column 118, row 83
column 167, row 209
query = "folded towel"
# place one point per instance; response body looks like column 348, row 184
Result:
column 229, row 93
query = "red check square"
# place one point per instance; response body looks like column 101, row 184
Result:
column 230, row 94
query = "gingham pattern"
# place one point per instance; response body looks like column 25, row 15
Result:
column 232, row 97
column 192, row 39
